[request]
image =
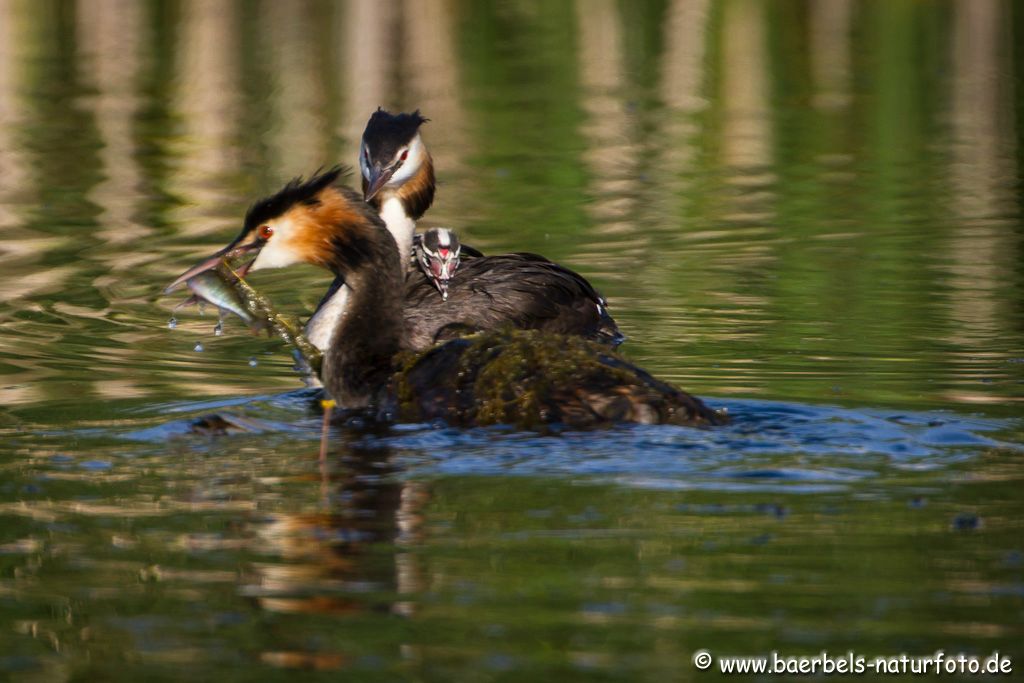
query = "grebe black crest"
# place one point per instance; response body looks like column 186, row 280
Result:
column 395, row 164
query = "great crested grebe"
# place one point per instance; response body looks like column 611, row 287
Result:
column 524, row 377
column 398, row 181
column 397, row 172
column 438, row 252
column 524, row 290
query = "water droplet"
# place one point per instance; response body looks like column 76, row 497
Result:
column 172, row 323
column 253, row 362
column 218, row 329
column 199, row 347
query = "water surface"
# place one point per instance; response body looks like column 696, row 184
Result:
column 808, row 213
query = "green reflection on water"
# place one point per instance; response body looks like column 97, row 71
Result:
column 209, row 565
column 791, row 203
column 807, row 202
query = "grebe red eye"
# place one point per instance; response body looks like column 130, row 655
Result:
column 405, row 155
column 265, row 232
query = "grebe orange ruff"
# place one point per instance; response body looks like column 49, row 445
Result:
column 526, row 378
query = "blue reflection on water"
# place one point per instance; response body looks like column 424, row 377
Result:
column 795, row 447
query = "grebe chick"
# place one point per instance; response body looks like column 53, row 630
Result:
column 527, row 378
column 523, row 290
column 437, row 254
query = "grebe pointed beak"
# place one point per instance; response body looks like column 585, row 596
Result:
column 228, row 253
column 379, row 177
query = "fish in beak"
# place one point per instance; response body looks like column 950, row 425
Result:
column 210, row 287
column 231, row 254
column 280, row 230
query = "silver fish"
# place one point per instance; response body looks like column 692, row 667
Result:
column 210, row 287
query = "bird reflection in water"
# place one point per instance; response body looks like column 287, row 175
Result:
column 352, row 557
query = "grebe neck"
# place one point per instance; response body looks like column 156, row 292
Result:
column 400, row 206
column 400, row 224
column 321, row 325
column 371, row 328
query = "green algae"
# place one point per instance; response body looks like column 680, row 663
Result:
column 530, row 379
column 260, row 307
column 522, row 371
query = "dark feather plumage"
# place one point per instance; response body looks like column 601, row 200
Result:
column 489, row 292
column 295, row 192
column 522, row 290
column 385, row 132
